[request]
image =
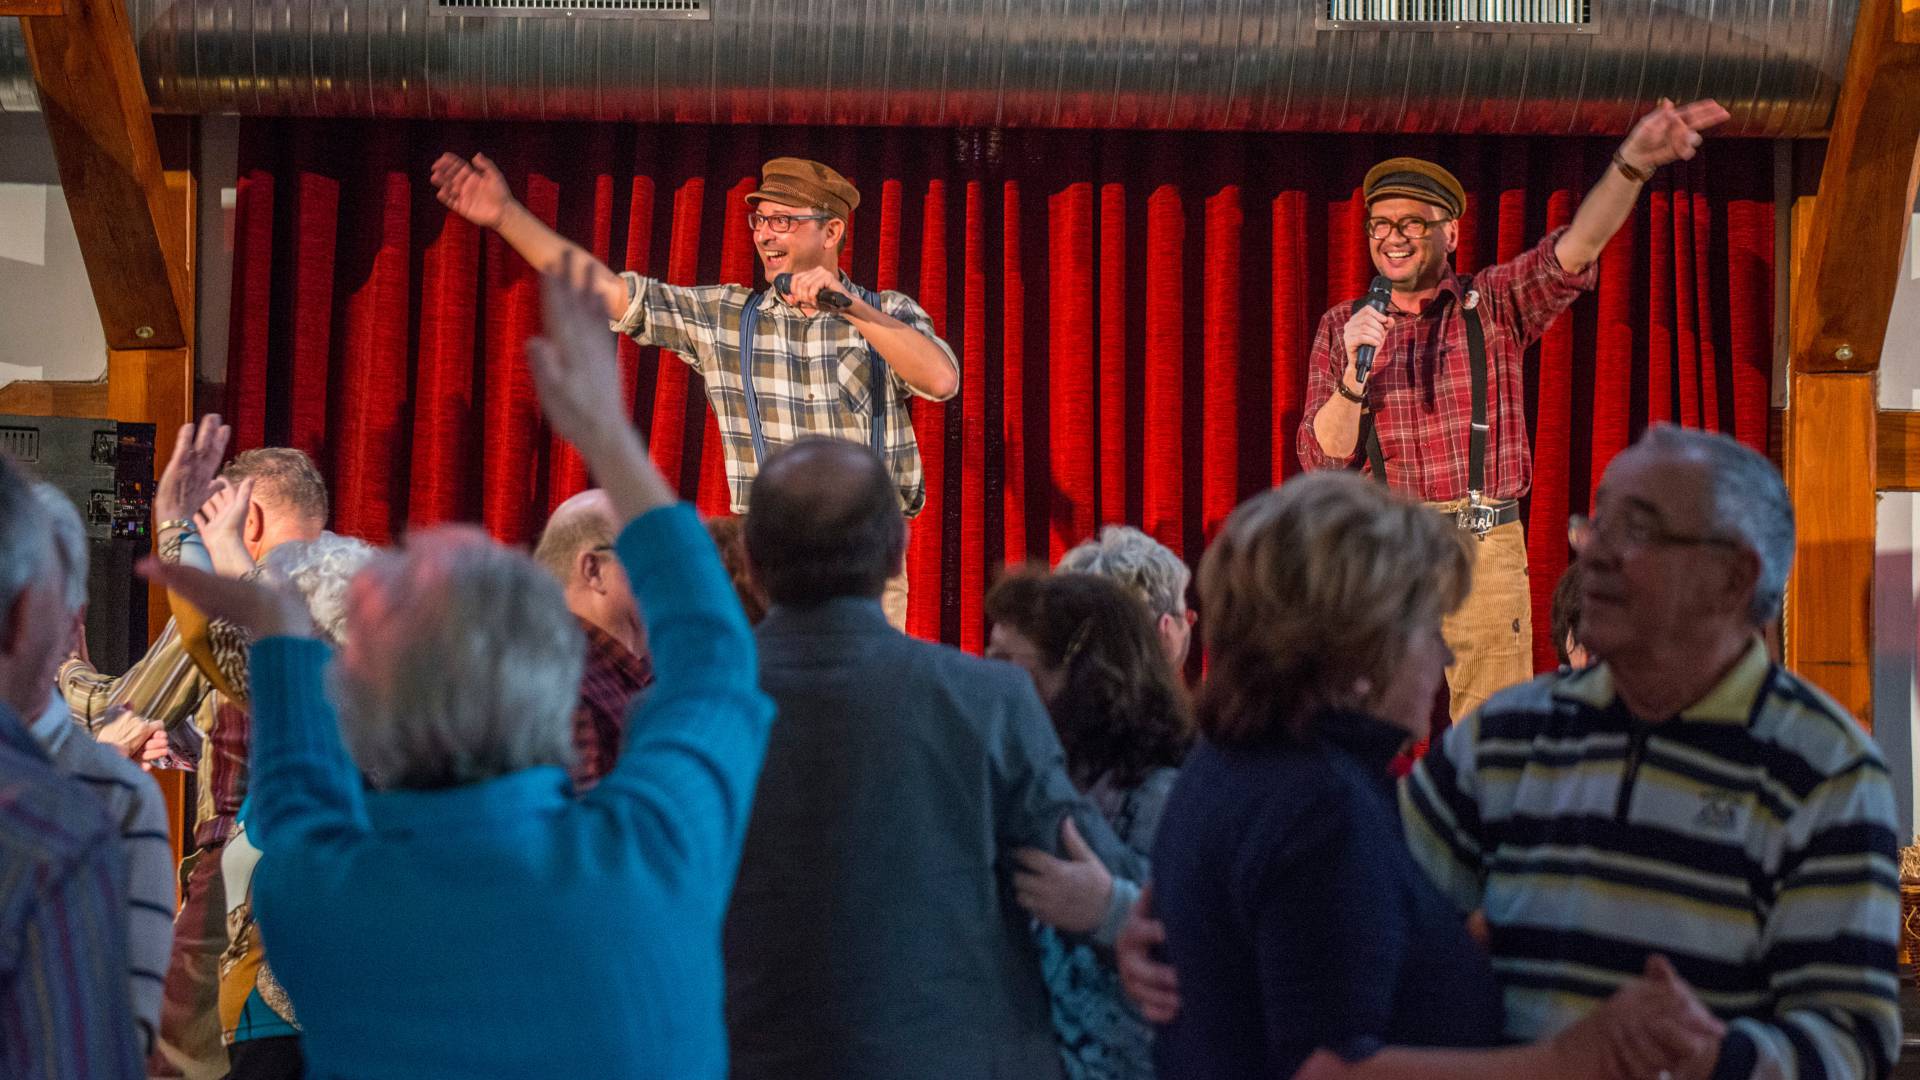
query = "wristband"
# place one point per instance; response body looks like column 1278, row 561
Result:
column 1358, row 399
column 183, row 524
column 1638, row 176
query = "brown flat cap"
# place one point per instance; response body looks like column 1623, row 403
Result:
column 1412, row 178
column 798, row 182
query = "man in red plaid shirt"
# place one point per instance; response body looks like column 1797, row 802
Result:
column 577, row 548
column 1412, row 421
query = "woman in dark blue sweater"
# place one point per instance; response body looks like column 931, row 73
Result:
column 1302, row 932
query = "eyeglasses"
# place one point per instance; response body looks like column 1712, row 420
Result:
column 782, row 223
column 1411, row 227
column 1635, row 529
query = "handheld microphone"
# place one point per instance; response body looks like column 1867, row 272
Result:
column 826, row 298
column 1379, row 295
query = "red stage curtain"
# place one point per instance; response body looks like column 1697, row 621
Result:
column 1132, row 310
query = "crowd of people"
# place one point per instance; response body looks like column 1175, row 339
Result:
column 672, row 798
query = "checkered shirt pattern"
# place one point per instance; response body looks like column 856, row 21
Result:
column 809, row 373
column 1421, row 394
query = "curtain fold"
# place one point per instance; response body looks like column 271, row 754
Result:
column 1132, row 312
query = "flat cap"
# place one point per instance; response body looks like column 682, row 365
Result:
column 795, row 181
column 1412, row 178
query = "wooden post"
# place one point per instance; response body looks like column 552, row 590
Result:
column 1846, row 262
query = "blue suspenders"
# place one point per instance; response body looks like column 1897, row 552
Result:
column 879, row 384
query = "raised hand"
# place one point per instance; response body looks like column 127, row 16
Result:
column 188, row 478
column 1670, row 133
column 1068, row 894
column 473, row 189
column 223, row 523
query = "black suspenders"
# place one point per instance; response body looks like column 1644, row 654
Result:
column 1477, row 434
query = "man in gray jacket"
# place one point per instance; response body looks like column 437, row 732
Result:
column 874, row 931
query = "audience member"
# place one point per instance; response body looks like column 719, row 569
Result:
column 1729, row 816
column 65, row 1009
column 1300, row 926
column 577, row 549
column 873, row 932
column 730, row 536
column 1152, row 571
column 1122, row 718
column 257, row 1020
column 1726, row 813
column 133, row 802
column 1566, row 620
column 438, row 901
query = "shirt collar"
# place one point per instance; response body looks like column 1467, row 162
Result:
column 14, row 735
column 54, row 726
column 1730, row 701
column 1372, row 741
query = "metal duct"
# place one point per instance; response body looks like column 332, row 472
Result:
column 1275, row 65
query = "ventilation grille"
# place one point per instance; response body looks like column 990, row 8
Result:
column 21, row 444
column 605, row 9
column 1480, row 14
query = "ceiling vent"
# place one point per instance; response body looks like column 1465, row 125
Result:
column 603, row 9
column 1564, row 16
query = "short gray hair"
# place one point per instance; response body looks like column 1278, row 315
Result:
column 284, row 478
column 471, row 664
column 321, row 568
column 1749, row 504
column 26, row 543
column 69, row 541
column 1144, row 565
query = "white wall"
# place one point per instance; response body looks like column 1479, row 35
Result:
column 49, row 326
column 1896, row 695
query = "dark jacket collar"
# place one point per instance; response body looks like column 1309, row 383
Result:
column 843, row 614
column 1371, row 741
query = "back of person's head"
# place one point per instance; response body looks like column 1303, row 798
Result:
column 1120, row 709
column 321, row 569
column 285, row 481
column 1747, row 501
column 1311, row 595
column 69, row 535
column 462, row 663
column 730, row 538
column 30, row 635
column 1144, row 565
column 826, row 524
column 584, row 522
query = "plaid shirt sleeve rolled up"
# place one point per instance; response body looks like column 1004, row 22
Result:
column 810, row 373
column 1421, row 394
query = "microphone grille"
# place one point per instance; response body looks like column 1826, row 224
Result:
column 783, row 283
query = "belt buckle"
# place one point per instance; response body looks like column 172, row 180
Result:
column 1476, row 517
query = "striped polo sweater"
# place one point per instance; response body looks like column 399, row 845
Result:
column 1751, row 840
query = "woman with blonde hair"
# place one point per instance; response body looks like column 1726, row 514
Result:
column 1306, row 940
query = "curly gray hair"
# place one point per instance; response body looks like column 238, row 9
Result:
column 1148, row 568
column 320, row 568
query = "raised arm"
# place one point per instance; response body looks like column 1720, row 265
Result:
column 695, row 742
column 1667, row 134
column 475, row 190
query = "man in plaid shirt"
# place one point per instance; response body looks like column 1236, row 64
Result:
column 815, row 369
column 1412, row 418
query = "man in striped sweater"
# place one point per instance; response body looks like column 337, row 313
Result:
column 1685, row 797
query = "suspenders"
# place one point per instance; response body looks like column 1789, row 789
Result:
column 1476, row 435
column 877, row 381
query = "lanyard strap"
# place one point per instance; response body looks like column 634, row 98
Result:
column 877, row 382
column 1477, row 430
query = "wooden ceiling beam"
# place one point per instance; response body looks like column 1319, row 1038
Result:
column 101, row 124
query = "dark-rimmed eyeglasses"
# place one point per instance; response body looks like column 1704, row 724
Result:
column 1633, row 530
column 782, row 223
column 1412, row 227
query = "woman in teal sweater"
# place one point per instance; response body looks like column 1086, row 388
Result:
column 459, row 912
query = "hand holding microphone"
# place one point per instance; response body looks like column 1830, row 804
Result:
column 824, row 297
column 1367, row 330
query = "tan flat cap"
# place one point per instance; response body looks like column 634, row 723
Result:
column 1412, row 178
column 799, row 182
